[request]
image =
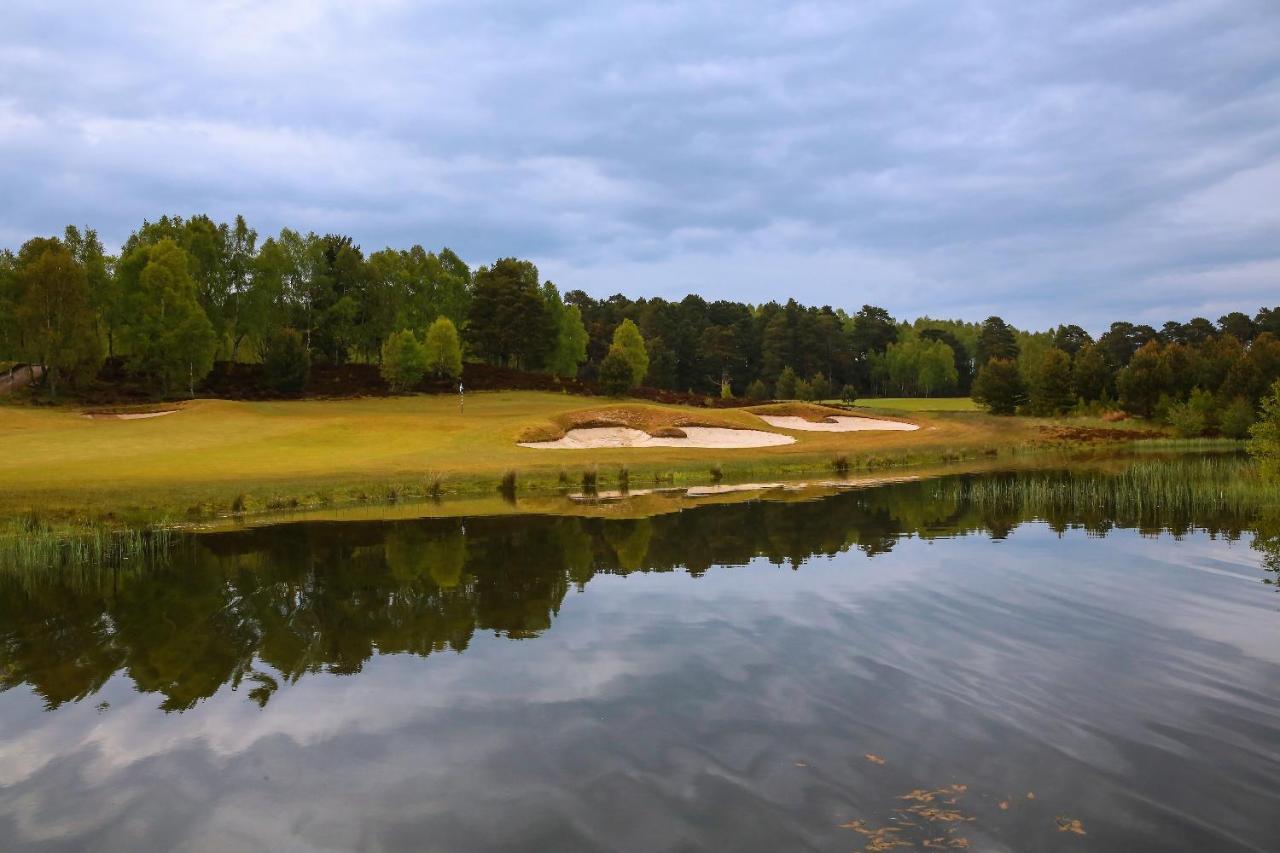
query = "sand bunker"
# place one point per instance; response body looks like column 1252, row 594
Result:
column 708, row 437
column 835, row 423
column 127, row 416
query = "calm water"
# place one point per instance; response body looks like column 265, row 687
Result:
column 768, row 676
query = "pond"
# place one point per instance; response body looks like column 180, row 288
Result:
column 897, row 665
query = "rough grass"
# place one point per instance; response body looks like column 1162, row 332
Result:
column 215, row 454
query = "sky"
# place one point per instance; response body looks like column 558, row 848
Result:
column 1056, row 161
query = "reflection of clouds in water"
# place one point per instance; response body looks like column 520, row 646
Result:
column 655, row 700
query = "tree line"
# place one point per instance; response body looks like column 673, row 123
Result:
column 184, row 292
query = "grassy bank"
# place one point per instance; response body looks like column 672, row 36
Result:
column 214, row 457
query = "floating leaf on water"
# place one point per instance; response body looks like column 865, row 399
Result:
column 801, row 764
column 1070, row 824
column 1004, row 805
column 874, row 759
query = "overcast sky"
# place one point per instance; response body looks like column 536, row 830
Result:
column 1083, row 160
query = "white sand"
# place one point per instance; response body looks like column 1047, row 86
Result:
column 836, row 423
column 127, row 416
column 708, row 437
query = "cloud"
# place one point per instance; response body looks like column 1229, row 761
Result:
column 1048, row 162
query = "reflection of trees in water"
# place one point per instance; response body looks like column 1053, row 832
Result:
column 258, row 609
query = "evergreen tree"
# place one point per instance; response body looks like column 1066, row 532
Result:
column 1144, row 379
column 1090, row 374
column 508, row 322
column 1051, row 392
column 996, row 340
column 286, row 362
column 616, row 373
column 786, row 385
column 999, row 387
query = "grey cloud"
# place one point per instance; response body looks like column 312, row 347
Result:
column 1048, row 161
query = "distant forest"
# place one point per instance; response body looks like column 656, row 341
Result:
column 184, row 292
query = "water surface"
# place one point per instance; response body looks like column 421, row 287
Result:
column 800, row 675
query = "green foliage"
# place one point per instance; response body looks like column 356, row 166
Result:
column 629, row 343
column 53, row 313
column 404, row 361
column 442, row 351
column 785, row 389
column 757, row 391
column 1236, row 418
column 166, row 332
column 1194, row 416
column 570, row 348
column 1264, row 444
column 916, row 365
column 996, row 340
column 615, row 373
column 346, row 306
column 1051, row 392
column 820, row 387
column 804, row 390
column 1090, row 373
column 1144, row 379
column 286, row 361
column 509, row 321
column 999, row 387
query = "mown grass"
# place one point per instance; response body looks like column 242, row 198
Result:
column 215, row 456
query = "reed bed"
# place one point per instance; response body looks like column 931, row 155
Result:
column 29, row 547
column 1140, row 489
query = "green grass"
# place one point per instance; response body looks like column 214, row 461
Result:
column 1141, row 489
column 216, row 455
column 919, row 404
column 30, row 547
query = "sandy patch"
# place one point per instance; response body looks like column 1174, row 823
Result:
column 707, row 437
column 127, row 416
column 836, row 423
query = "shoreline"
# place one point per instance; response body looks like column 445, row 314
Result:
column 213, row 458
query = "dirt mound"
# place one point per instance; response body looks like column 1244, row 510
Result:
column 591, row 438
column 1097, row 434
column 813, row 412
